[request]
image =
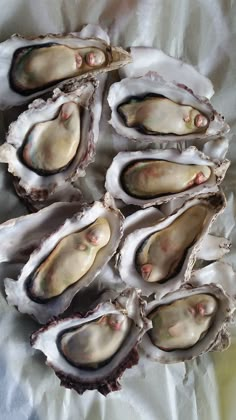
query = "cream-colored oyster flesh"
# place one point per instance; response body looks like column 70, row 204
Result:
column 51, row 145
column 95, row 342
column 150, row 178
column 162, row 116
column 182, row 323
column 161, row 254
column 37, row 66
column 69, row 261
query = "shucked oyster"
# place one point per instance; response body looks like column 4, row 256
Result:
column 67, row 261
column 150, row 177
column 187, row 323
column 53, row 141
column 93, row 352
column 151, row 109
column 158, row 256
column 30, row 66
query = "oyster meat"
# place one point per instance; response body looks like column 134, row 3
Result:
column 160, row 115
column 158, row 257
column 93, row 352
column 30, row 66
column 66, row 261
column 70, row 260
column 53, row 141
column 150, row 177
column 182, row 323
column 151, row 109
column 187, row 323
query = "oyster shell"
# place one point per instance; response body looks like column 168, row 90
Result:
column 151, row 109
column 37, row 291
column 149, row 177
column 93, row 352
column 158, row 257
column 30, row 66
column 40, row 164
column 187, row 323
column 146, row 59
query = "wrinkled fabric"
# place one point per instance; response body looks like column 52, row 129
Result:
column 202, row 33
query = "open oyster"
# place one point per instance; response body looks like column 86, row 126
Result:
column 93, row 352
column 151, row 109
column 30, row 66
column 158, row 257
column 53, row 141
column 150, row 177
column 187, row 323
column 67, row 261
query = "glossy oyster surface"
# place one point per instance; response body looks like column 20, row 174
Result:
column 66, row 261
column 150, row 177
column 53, row 141
column 187, row 323
column 158, row 257
column 93, row 352
column 150, row 109
column 30, row 66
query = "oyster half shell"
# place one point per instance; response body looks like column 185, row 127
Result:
column 67, row 261
column 94, row 351
column 153, row 177
column 53, row 141
column 149, row 108
column 30, row 66
column 158, row 257
column 189, row 322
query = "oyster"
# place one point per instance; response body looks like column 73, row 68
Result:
column 150, row 177
column 187, row 323
column 151, row 109
column 158, row 257
column 93, row 352
column 53, row 141
column 30, row 66
column 67, row 261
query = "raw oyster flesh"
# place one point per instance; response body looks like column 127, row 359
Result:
column 50, row 146
column 152, row 178
column 156, row 114
column 161, row 254
column 93, row 344
column 188, row 322
column 37, row 67
column 93, row 351
column 70, row 260
column 182, row 323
